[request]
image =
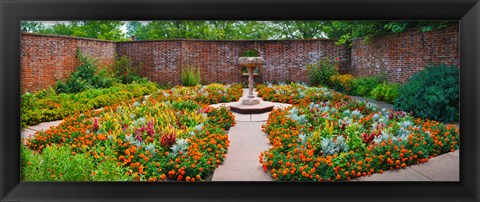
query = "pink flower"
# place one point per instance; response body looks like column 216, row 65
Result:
column 95, row 125
column 337, row 59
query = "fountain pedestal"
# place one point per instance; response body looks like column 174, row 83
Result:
column 251, row 99
column 251, row 104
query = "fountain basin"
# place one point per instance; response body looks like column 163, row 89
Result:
column 251, row 61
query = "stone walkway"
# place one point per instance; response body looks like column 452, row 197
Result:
column 31, row 130
column 445, row 167
column 246, row 142
column 379, row 103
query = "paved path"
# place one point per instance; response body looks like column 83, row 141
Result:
column 445, row 167
column 31, row 130
column 379, row 103
column 246, row 142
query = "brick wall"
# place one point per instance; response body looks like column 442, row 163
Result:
column 48, row 58
column 399, row 56
column 284, row 60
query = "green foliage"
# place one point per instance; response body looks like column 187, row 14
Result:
column 387, row 92
column 126, row 71
column 104, row 30
column 190, row 77
column 362, row 86
column 57, row 163
column 214, row 30
column 31, row 26
column 432, row 93
column 45, row 105
column 299, row 29
column 345, row 31
column 321, row 72
column 185, row 105
column 84, row 77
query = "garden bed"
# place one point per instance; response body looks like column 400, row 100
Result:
column 46, row 105
column 326, row 136
column 172, row 135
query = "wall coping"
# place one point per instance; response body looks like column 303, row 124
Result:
column 165, row 40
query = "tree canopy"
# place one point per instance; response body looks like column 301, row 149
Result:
column 345, row 31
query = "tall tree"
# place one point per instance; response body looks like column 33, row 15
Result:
column 300, row 29
column 105, row 30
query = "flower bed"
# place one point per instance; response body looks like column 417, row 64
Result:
column 208, row 94
column 297, row 94
column 45, row 105
column 335, row 139
column 171, row 135
column 48, row 106
column 146, row 140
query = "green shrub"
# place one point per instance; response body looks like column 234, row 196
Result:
column 125, row 70
column 56, row 163
column 432, row 93
column 190, row 77
column 60, row 163
column 362, row 86
column 387, row 92
column 321, row 72
column 342, row 82
column 85, row 77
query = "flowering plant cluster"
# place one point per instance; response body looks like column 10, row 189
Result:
column 342, row 82
column 149, row 139
column 297, row 93
column 341, row 139
column 208, row 94
column 46, row 105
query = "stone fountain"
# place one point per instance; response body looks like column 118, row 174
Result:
column 250, row 63
column 251, row 104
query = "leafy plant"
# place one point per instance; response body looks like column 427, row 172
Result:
column 432, row 93
column 387, row 92
column 48, row 106
column 321, row 72
column 85, row 76
column 362, row 86
column 342, row 82
column 190, row 77
column 125, row 70
column 56, row 163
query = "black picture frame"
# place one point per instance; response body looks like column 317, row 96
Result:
column 13, row 11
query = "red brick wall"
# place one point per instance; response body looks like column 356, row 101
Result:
column 399, row 56
column 46, row 59
column 284, row 60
